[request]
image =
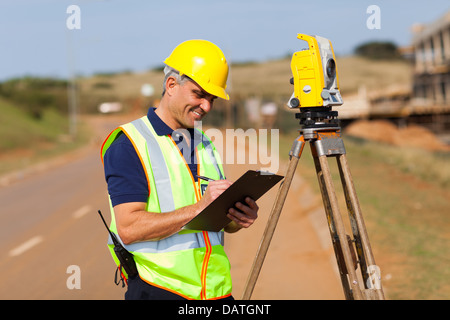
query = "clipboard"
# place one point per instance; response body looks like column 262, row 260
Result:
column 251, row 184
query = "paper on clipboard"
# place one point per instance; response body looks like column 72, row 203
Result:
column 251, row 184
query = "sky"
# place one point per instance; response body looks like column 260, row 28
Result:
column 137, row 35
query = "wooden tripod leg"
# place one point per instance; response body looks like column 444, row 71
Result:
column 273, row 218
column 365, row 255
column 330, row 200
column 332, row 228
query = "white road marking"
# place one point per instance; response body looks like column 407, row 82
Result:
column 26, row 246
column 82, row 211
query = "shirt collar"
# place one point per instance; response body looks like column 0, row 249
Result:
column 161, row 128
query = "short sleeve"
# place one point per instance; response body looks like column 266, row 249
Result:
column 124, row 173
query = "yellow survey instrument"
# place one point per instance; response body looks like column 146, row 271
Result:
column 315, row 76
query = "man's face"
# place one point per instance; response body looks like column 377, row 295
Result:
column 190, row 103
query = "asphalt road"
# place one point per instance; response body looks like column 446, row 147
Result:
column 53, row 242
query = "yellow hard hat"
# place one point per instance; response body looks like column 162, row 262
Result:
column 203, row 62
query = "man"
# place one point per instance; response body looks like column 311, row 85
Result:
column 152, row 166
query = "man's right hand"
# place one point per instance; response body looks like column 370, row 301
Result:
column 214, row 189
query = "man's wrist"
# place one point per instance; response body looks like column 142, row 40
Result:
column 232, row 227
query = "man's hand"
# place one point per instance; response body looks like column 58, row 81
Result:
column 214, row 189
column 244, row 217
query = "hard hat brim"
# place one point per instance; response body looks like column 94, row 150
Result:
column 215, row 91
column 211, row 88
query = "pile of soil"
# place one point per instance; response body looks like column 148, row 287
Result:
column 385, row 131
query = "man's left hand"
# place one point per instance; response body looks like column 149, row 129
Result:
column 246, row 214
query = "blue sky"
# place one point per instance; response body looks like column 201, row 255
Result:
column 136, row 35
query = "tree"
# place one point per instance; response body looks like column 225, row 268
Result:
column 378, row 50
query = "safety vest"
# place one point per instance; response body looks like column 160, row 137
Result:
column 190, row 263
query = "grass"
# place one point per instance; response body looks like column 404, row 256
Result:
column 355, row 71
column 271, row 79
column 26, row 140
column 20, row 129
column 408, row 212
column 433, row 167
column 405, row 210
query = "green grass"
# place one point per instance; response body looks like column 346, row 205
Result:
column 38, row 139
column 19, row 129
column 406, row 210
column 407, row 204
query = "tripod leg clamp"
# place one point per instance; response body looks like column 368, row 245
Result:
column 329, row 144
column 297, row 147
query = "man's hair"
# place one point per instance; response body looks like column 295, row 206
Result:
column 171, row 72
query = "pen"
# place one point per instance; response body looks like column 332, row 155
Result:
column 205, row 178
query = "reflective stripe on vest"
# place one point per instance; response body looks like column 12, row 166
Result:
column 160, row 172
column 209, row 150
column 175, row 242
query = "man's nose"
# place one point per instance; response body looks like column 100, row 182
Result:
column 206, row 105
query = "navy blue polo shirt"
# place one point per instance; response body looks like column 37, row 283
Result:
column 123, row 169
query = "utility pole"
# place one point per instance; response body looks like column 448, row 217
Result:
column 71, row 88
column 73, row 22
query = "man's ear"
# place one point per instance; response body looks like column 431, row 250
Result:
column 171, row 83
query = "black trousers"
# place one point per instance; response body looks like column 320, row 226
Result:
column 138, row 289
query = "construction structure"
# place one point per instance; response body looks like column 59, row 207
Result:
column 432, row 65
column 427, row 100
column 431, row 84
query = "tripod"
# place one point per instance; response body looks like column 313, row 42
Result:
column 321, row 129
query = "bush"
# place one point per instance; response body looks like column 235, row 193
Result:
column 378, row 50
column 35, row 95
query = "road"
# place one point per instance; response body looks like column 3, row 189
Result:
column 54, row 243
column 50, row 224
